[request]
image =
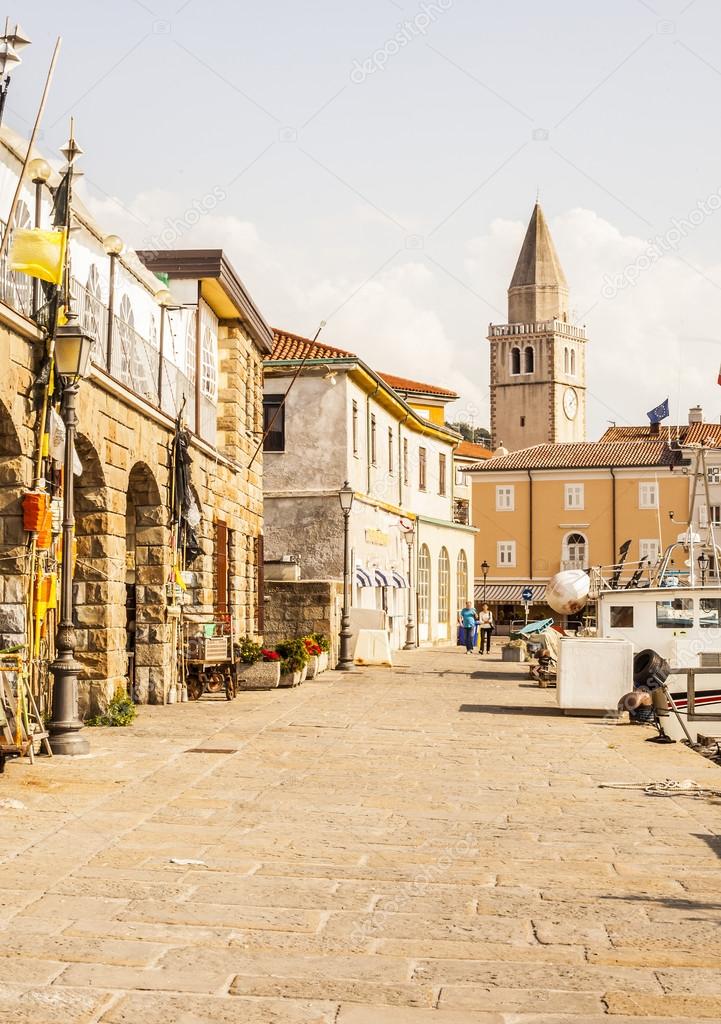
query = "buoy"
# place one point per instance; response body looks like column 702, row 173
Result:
column 567, row 592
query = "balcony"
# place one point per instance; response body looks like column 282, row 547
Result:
column 461, row 511
column 572, row 563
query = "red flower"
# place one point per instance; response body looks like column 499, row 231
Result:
column 269, row 655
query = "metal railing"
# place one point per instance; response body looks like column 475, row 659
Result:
column 93, row 318
column 572, row 563
column 134, row 362
column 16, row 289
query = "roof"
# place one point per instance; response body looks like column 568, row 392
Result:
column 473, row 451
column 211, row 264
column 294, row 346
column 688, row 433
column 591, row 455
column 415, row 387
column 538, row 262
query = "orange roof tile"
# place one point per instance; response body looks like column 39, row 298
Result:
column 473, row 451
column 294, row 346
column 415, row 387
column 592, row 455
column 688, row 433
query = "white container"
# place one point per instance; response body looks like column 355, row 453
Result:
column 593, row 673
column 373, row 648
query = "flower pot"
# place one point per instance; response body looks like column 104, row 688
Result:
column 289, row 679
column 304, row 673
column 322, row 662
column 312, row 667
column 513, row 654
column 262, row 675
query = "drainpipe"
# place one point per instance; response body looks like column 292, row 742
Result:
column 613, row 516
column 530, row 523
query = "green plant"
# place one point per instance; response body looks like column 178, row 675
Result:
column 119, row 712
column 322, row 640
column 249, row 651
column 294, row 654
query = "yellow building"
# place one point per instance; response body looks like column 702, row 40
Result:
column 562, row 506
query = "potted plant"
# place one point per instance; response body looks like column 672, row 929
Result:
column 294, row 661
column 322, row 640
column 259, row 668
column 314, row 651
column 514, row 650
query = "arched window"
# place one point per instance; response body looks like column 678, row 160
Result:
column 125, row 325
column 573, row 362
column 575, row 551
column 528, row 359
column 515, row 360
column 91, row 309
column 424, row 592
column 21, row 217
column 566, row 364
column 190, row 348
column 444, row 592
column 208, row 365
column 461, row 580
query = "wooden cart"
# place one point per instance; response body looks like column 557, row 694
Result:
column 209, row 659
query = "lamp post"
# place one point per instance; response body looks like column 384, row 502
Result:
column 113, row 246
column 484, row 569
column 72, row 363
column 39, row 172
column 703, row 564
column 345, row 659
column 410, row 643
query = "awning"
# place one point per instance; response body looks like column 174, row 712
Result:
column 363, row 578
column 383, row 578
column 399, row 579
column 509, row 593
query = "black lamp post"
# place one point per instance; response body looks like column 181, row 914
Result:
column 345, row 658
column 484, row 569
column 703, row 564
column 410, row 643
column 72, row 363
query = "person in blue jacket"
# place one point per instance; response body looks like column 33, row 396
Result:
column 468, row 621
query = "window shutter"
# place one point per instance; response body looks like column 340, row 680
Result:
column 260, row 595
column 221, row 568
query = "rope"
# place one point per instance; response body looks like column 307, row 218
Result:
column 665, row 787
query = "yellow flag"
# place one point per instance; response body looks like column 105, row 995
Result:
column 39, row 253
column 179, row 578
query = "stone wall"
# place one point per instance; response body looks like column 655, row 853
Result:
column 296, row 608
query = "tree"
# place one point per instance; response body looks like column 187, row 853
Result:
column 479, row 435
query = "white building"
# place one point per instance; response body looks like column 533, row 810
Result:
column 340, row 420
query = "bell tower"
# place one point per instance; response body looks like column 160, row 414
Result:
column 538, row 359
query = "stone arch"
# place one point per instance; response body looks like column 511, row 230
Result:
column 529, row 359
column 147, row 569
column 13, row 473
column 515, row 360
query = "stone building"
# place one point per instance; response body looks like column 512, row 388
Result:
column 538, row 359
column 196, row 359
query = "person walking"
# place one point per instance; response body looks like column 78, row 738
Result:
column 468, row 621
column 485, row 620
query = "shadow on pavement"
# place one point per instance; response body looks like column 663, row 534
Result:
column 511, row 709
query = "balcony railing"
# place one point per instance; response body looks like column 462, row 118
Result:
column 572, row 563
column 93, row 318
column 461, row 511
column 16, row 289
column 134, row 361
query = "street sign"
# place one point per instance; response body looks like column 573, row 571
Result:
column 527, row 594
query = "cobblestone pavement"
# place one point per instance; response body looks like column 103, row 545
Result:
column 423, row 846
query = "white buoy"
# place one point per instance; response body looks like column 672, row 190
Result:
column 567, row 592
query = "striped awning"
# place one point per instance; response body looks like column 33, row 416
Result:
column 383, row 578
column 363, row 578
column 509, row 593
column 399, row 579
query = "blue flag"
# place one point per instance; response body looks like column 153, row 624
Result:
column 659, row 413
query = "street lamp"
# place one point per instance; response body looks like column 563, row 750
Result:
column 484, row 569
column 410, row 643
column 72, row 363
column 703, row 564
column 345, row 659
column 10, row 43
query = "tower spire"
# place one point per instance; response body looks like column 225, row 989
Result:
column 538, row 289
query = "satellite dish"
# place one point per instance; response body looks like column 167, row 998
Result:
column 567, row 592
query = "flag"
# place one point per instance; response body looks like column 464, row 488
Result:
column 178, row 577
column 60, row 202
column 39, row 253
column 661, row 412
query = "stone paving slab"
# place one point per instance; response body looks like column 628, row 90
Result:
column 428, row 845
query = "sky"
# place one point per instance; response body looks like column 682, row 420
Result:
column 375, row 164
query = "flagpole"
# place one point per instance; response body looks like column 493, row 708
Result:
column 33, row 136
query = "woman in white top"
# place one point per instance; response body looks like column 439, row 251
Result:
column 485, row 621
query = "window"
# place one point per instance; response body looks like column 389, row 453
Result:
column 461, row 478
column 649, row 550
column 523, row 421
column 714, row 474
column 190, row 348
column 208, row 365
column 566, row 361
column 506, row 553
column 710, row 609
column 505, row 499
column 422, row 469
column 91, row 308
column 354, row 426
column 573, row 362
column 715, row 516
column 515, row 361
column 374, row 452
column 424, row 589
column 529, row 359
column 648, row 494
column 273, row 423
column 390, row 449
column 405, row 460
column 622, row 616
column 444, row 588
column 461, row 580
column 676, row 614
column 574, row 496
column 574, row 551
column 441, row 473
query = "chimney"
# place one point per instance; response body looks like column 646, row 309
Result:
column 655, row 429
column 695, row 414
